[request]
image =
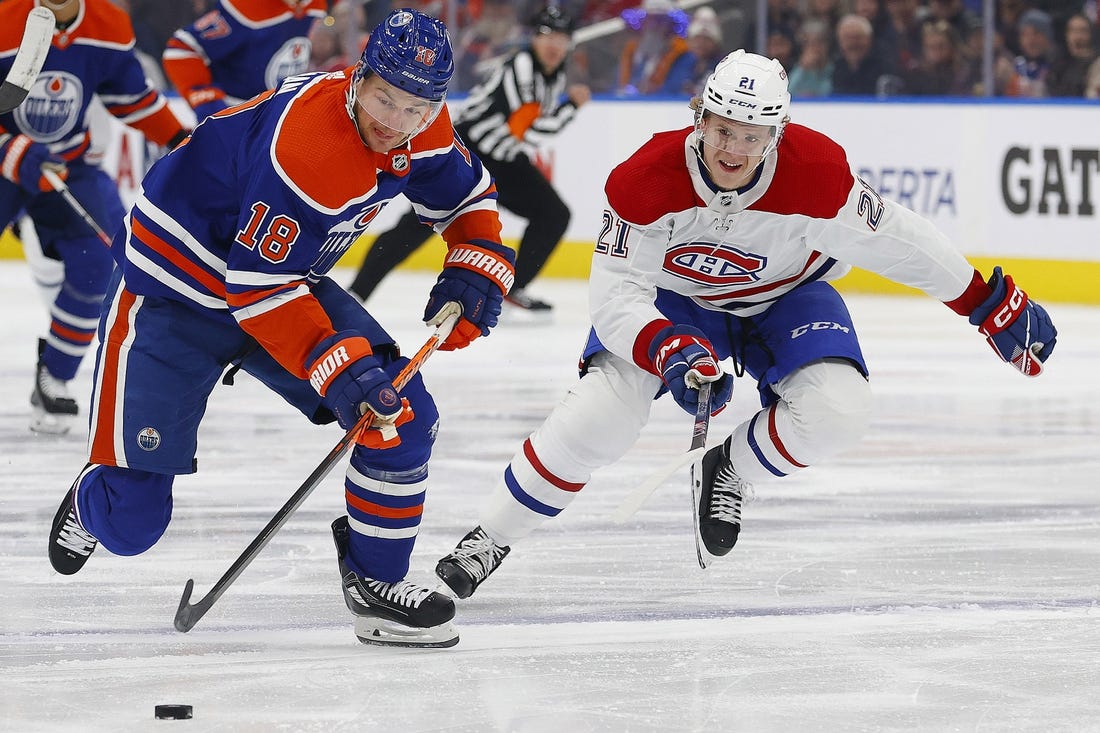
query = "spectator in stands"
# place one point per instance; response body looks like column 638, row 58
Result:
column 1004, row 72
column 812, row 76
column 781, row 14
column 943, row 71
column 705, row 50
column 351, row 20
column 857, row 68
column 781, row 46
column 337, row 40
column 494, row 34
column 1092, row 81
column 1069, row 69
column 658, row 29
column 1008, row 20
column 827, row 11
column 326, row 50
column 1036, row 37
column 874, row 11
column 902, row 36
column 953, row 12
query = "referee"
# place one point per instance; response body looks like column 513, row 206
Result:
column 520, row 107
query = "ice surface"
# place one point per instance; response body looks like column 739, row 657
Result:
column 943, row 575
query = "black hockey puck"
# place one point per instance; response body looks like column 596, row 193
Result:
column 172, row 712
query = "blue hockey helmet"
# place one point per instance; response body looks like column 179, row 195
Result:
column 411, row 51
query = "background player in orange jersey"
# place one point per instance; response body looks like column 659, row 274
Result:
column 239, row 49
column 92, row 55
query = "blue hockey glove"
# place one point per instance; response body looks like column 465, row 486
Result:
column 476, row 277
column 684, row 358
column 22, row 159
column 1017, row 328
column 350, row 379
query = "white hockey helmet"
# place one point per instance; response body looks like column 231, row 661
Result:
column 749, row 88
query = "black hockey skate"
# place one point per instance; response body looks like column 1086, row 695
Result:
column 521, row 307
column 473, row 560
column 717, row 492
column 70, row 544
column 393, row 614
column 53, row 407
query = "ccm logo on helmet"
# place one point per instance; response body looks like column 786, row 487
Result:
column 703, row 263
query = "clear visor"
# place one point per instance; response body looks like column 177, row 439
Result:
column 737, row 138
column 401, row 112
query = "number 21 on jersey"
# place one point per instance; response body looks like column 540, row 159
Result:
column 606, row 244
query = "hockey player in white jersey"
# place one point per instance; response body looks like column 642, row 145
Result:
column 717, row 242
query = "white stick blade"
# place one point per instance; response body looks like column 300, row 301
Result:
column 634, row 501
column 37, row 36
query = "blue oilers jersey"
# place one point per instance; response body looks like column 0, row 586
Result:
column 239, row 49
column 264, row 198
column 92, row 56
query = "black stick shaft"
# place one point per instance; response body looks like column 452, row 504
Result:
column 188, row 614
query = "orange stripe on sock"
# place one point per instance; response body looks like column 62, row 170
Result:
column 385, row 512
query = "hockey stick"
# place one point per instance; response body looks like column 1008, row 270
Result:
column 189, row 613
column 636, row 498
column 37, row 37
column 59, row 186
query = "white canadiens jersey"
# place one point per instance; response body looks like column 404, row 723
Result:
column 808, row 217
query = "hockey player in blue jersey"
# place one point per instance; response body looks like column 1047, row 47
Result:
column 239, row 49
column 228, row 245
column 91, row 55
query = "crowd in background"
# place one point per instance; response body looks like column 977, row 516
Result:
column 882, row 48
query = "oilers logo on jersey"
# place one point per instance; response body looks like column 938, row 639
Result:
column 713, row 265
column 52, row 108
column 148, row 439
column 340, row 237
column 291, row 59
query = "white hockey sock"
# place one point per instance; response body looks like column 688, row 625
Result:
column 527, row 496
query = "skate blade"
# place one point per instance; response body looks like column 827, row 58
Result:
column 47, row 423
column 702, row 554
column 381, row 632
column 515, row 315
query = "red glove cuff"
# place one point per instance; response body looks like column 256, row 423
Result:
column 1007, row 311
column 334, row 361
column 974, row 295
column 484, row 262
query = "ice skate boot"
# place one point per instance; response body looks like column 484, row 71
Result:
column 523, row 308
column 54, row 408
column 717, row 492
column 70, row 544
column 471, row 562
column 393, row 614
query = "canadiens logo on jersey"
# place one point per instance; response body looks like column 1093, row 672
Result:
column 290, row 60
column 714, row 265
column 52, row 108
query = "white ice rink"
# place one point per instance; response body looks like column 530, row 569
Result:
column 942, row 576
